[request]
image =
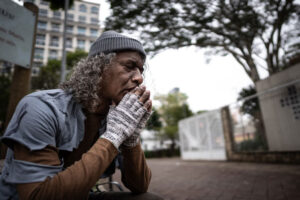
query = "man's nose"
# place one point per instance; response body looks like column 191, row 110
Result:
column 137, row 77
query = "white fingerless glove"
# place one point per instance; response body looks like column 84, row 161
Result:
column 133, row 140
column 123, row 119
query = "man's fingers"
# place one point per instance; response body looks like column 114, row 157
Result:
column 148, row 105
column 139, row 90
column 145, row 96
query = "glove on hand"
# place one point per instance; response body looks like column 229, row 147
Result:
column 133, row 140
column 123, row 119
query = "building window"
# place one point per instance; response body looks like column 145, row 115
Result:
column 70, row 17
column 94, row 20
column 80, row 44
column 82, row 8
column 39, row 53
column 43, row 12
column 82, row 18
column 40, row 39
column 94, row 32
column 52, row 54
column 95, row 10
column 56, row 14
column 54, row 42
column 55, row 27
column 69, row 29
column 69, row 43
column 37, row 64
column 81, row 30
column 44, row 3
column 42, row 25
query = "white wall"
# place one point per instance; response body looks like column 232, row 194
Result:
column 281, row 110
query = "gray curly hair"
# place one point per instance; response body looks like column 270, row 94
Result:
column 85, row 80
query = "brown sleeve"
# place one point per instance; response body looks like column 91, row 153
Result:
column 136, row 174
column 72, row 183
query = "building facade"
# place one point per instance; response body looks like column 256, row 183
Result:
column 82, row 30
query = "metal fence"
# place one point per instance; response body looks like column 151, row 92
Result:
column 201, row 137
column 265, row 124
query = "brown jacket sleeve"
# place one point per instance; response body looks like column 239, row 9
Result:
column 136, row 174
column 72, row 183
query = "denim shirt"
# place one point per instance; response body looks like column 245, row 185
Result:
column 49, row 117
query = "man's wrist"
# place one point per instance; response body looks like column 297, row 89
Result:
column 131, row 142
column 116, row 140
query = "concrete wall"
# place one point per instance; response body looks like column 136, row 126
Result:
column 281, row 110
column 290, row 157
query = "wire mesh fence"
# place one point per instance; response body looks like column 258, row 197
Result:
column 201, row 137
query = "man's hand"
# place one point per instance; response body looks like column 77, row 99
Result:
column 133, row 140
column 124, row 118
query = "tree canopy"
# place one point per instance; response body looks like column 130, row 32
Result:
column 49, row 75
column 250, row 106
column 256, row 33
column 154, row 122
column 173, row 108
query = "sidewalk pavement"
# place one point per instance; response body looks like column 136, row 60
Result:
column 175, row 179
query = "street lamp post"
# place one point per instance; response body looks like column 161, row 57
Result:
column 63, row 60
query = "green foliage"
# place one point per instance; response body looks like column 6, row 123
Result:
column 162, row 153
column 173, row 108
column 74, row 57
column 257, row 144
column 201, row 111
column 250, row 106
column 49, row 75
column 247, row 30
column 154, row 122
column 4, row 98
column 59, row 4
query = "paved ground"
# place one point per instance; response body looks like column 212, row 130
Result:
column 175, row 179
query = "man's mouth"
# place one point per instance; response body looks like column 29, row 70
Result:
column 129, row 89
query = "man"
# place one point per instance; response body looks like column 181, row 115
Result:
column 61, row 141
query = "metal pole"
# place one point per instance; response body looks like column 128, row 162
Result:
column 110, row 183
column 63, row 59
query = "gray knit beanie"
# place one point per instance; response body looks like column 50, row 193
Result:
column 111, row 41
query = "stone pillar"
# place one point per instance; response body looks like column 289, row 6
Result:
column 228, row 133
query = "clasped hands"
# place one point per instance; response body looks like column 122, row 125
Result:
column 126, row 120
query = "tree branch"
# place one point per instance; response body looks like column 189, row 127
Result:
column 236, row 56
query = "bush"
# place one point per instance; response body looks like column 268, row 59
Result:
column 162, row 153
column 257, row 144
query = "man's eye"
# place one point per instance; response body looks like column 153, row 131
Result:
column 129, row 66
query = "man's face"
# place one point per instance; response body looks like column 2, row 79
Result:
column 124, row 74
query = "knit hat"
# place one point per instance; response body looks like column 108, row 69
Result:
column 111, row 41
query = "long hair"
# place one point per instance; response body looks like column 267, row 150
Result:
column 85, row 80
